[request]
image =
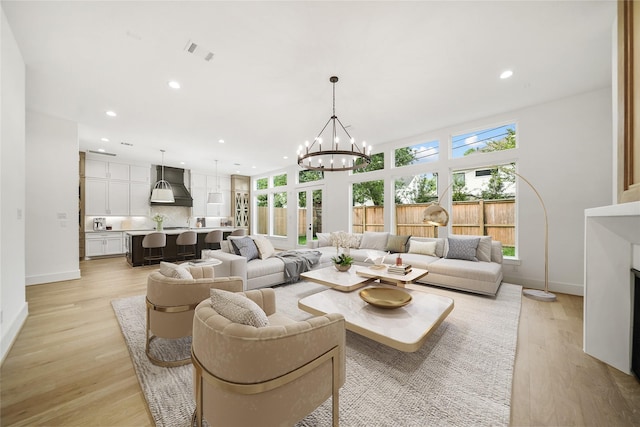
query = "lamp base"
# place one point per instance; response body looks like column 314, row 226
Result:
column 539, row 295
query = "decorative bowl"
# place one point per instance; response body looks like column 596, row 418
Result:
column 342, row 267
column 385, row 297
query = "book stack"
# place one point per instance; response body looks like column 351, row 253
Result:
column 399, row 269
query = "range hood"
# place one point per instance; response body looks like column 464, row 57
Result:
column 175, row 177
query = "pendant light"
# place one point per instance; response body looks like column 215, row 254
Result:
column 162, row 192
column 215, row 198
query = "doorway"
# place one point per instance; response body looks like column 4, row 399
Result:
column 309, row 215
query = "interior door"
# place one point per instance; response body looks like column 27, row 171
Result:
column 309, row 215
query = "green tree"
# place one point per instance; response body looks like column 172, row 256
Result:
column 495, row 187
column 405, row 156
column 368, row 191
column 459, row 190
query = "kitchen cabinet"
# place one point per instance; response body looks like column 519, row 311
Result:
column 139, row 173
column 139, row 193
column 106, row 170
column 201, row 186
column 101, row 244
column 106, row 197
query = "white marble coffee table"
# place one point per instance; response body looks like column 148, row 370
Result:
column 404, row 328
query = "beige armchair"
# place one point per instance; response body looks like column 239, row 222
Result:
column 268, row 376
column 171, row 303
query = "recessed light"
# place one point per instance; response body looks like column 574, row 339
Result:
column 221, row 141
column 111, row 113
column 253, row 167
column 506, row 74
column 285, row 157
column 102, row 150
column 182, row 163
column 174, row 84
column 104, row 139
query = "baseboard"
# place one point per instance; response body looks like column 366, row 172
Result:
column 54, row 277
column 563, row 288
column 12, row 331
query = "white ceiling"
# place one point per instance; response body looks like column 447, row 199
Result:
column 404, row 68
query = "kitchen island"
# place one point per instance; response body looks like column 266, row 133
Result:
column 135, row 251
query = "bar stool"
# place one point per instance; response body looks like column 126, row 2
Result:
column 153, row 246
column 213, row 239
column 186, row 243
column 239, row 232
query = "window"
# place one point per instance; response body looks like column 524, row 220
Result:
column 368, row 206
column 377, row 163
column 417, row 154
column 280, row 180
column 484, row 141
column 279, row 214
column 262, row 184
column 484, row 204
column 262, row 207
column 309, row 176
column 412, row 194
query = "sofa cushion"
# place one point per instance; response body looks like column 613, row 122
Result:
column 483, row 253
column 265, row 248
column 457, row 268
column 245, row 247
column 174, row 271
column 423, row 248
column 238, row 308
column 374, row 240
column 462, row 247
column 418, row 260
column 324, row 239
column 397, row 243
column 264, row 267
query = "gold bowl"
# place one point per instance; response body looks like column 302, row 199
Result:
column 385, row 297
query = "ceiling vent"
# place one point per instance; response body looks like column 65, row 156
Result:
column 199, row 51
column 104, row 153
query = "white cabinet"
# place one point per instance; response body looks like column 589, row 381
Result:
column 116, row 188
column 201, row 186
column 99, row 244
column 106, row 197
column 139, row 193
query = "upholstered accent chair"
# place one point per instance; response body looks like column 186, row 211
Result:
column 172, row 298
column 271, row 375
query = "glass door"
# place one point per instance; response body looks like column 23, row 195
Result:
column 309, row 215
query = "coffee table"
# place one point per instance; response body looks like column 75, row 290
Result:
column 359, row 276
column 404, row 328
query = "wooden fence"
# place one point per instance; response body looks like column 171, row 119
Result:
column 495, row 218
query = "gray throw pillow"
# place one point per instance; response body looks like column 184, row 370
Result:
column 397, row 243
column 463, row 248
column 245, row 247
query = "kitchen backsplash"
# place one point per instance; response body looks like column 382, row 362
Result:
column 176, row 216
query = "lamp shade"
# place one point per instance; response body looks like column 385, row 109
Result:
column 435, row 214
column 215, row 198
column 162, row 193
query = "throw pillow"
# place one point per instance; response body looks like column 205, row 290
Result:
column 374, row 240
column 225, row 246
column 397, row 243
column 463, row 248
column 238, row 308
column 245, row 247
column 324, row 239
column 483, row 253
column 174, row 271
column 422, row 248
column 265, row 248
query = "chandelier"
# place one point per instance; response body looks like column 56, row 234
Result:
column 335, row 155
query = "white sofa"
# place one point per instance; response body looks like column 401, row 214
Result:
column 482, row 277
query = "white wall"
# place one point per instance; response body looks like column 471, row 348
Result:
column 52, row 199
column 13, row 305
column 564, row 150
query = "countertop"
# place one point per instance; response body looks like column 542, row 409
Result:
column 141, row 232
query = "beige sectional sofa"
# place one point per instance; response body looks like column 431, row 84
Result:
column 441, row 256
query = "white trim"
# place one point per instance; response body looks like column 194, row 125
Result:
column 11, row 334
column 53, row 277
column 536, row 283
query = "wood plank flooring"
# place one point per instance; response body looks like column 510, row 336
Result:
column 70, row 365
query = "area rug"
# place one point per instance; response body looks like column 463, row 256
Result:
column 461, row 377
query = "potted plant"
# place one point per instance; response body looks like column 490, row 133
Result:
column 342, row 262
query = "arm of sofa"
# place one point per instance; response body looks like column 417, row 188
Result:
column 496, row 251
column 232, row 265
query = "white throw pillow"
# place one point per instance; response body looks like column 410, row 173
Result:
column 238, row 308
column 374, row 240
column 422, row 248
column 324, row 239
column 483, row 253
column 265, row 248
column 174, row 271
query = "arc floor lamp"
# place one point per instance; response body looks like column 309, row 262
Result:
column 435, row 214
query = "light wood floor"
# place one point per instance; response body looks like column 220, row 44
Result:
column 71, row 367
